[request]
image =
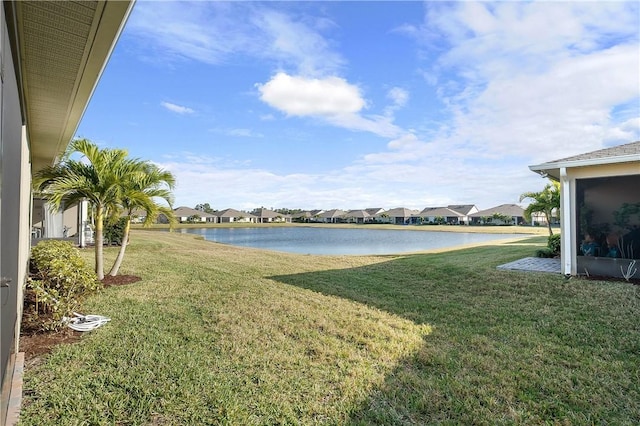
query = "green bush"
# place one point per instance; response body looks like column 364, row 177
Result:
column 554, row 244
column 114, row 232
column 545, row 252
column 59, row 279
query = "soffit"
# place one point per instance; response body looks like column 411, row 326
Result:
column 63, row 47
column 627, row 153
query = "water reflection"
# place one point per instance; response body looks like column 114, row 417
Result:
column 342, row 241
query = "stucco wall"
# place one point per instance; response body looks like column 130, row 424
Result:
column 14, row 212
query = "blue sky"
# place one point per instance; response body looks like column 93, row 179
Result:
column 367, row 104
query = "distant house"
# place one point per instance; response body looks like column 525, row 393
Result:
column 306, row 216
column 539, row 218
column 358, row 216
column 372, row 211
column 267, row 216
column 137, row 216
column 600, row 196
column 232, row 215
column 466, row 210
column 438, row 215
column 189, row 215
column 397, row 216
column 332, row 216
column 504, row 214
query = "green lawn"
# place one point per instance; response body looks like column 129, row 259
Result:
column 221, row 335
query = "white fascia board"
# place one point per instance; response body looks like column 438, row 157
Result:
column 587, row 162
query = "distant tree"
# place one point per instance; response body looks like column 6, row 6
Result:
column 288, row 211
column 194, row 218
column 502, row 218
column 204, row 208
column 546, row 202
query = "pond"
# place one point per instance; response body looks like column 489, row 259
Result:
column 338, row 241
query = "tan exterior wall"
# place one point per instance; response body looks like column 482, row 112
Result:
column 24, row 241
column 604, row 170
column 70, row 220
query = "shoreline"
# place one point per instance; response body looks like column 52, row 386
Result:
column 506, row 229
column 517, row 239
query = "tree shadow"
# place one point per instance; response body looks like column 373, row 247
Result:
column 436, row 383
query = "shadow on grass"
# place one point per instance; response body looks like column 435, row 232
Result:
column 506, row 347
column 423, row 288
column 455, row 292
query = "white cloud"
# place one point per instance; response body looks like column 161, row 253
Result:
column 332, row 99
column 246, row 133
column 519, row 82
column 534, row 80
column 361, row 185
column 406, row 148
column 296, row 42
column 378, row 125
column 398, row 97
column 214, row 32
column 311, row 96
column 177, row 108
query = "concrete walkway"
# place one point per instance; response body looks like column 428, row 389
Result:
column 15, row 393
column 533, row 264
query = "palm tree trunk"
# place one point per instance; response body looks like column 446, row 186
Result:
column 123, row 246
column 549, row 223
column 99, row 241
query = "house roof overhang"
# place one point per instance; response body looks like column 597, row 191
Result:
column 552, row 170
column 629, row 153
column 60, row 50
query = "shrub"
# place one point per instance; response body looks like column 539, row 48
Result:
column 545, row 252
column 194, row 219
column 59, row 279
column 554, row 244
column 114, row 232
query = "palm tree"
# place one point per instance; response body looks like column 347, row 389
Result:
column 545, row 201
column 96, row 177
column 144, row 183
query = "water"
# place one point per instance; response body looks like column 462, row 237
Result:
column 308, row 240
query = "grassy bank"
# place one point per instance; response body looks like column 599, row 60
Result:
column 221, row 335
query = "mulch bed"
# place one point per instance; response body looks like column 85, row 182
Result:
column 110, row 281
column 35, row 343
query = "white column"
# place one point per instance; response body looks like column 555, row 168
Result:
column 53, row 222
column 85, row 233
column 567, row 254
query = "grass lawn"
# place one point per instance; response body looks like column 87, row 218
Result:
column 215, row 334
